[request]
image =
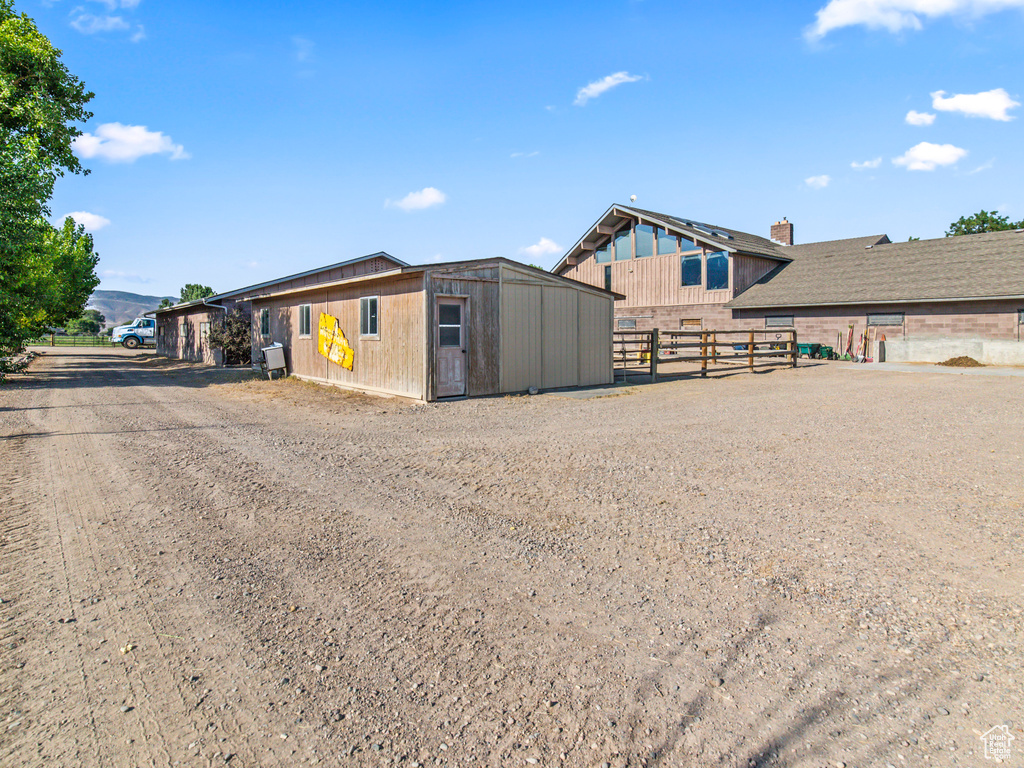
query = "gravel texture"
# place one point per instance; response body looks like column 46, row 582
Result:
column 805, row 567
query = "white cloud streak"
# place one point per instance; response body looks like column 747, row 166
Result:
column 866, row 164
column 919, row 118
column 303, row 49
column 596, row 88
column 992, row 104
column 524, row 154
column 818, row 182
column 983, row 167
column 90, row 24
column 543, row 247
column 130, row 277
column 92, row 222
column 897, row 15
column 927, row 156
column 427, row 197
column 119, row 143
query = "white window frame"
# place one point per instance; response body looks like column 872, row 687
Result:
column 309, row 321
column 362, row 300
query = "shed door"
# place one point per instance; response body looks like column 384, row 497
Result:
column 450, row 344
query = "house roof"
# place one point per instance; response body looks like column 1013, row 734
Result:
column 298, row 275
column 714, row 237
column 985, row 266
column 440, row 267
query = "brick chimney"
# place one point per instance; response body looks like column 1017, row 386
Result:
column 782, row 232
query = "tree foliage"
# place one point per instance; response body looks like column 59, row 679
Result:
column 233, row 334
column 194, row 292
column 164, row 303
column 46, row 273
column 982, row 221
column 90, row 323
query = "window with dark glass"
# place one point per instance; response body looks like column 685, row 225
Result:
column 1020, row 316
column 644, row 240
column 264, row 322
column 778, row 321
column 368, row 316
column 666, row 243
column 603, row 254
column 691, row 268
column 627, row 324
column 449, row 325
column 623, row 245
column 304, row 319
column 718, row 271
column 608, row 278
column 886, row 318
column 686, row 244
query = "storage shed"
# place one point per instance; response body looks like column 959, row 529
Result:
column 469, row 328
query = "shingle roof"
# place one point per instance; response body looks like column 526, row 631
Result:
column 989, row 265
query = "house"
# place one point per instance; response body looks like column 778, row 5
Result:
column 467, row 328
column 182, row 329
column 931, row 299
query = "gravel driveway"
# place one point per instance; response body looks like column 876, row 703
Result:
column 806, row 567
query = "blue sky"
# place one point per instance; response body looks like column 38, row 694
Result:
column 233, row 142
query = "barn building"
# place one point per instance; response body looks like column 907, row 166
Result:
column 931, row 299
column 182, row 330
column 469, row 328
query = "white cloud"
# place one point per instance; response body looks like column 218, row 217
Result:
column 139, row 35
column 596, row 88
column 543, row 247
column 983, row 167
column 919, row 118
column 126, row 144
column 866, row 164
column 525, row 154
column 92, row 222
column 113, row 5
column 90, row 24
column 991, row 104
column 427, row 197
column 818, row 182
column 130, row 277
column 927, row 156
column 897, row 15
column 303, row 48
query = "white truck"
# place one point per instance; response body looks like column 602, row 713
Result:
column 141, row 333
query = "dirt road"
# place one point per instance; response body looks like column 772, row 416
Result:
column 803, row 568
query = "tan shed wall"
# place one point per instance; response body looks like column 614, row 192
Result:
column 174, row 344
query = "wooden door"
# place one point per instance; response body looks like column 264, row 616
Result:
column 450, row 346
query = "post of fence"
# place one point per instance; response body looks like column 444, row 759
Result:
column 750, row 350
column 793, row 347
column 704, row 353
column 654, row 355
column 52, row 343
column 714, row 348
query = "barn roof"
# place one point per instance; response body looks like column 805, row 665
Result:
column 985, row 266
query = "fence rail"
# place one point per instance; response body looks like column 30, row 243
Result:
column 71, row 341
column 642, row 351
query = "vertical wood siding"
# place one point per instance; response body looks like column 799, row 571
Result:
column 747, row 270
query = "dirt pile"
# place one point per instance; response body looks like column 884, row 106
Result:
column 962, row 362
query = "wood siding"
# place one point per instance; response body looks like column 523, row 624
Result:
column 173, row 343
column 747, row 270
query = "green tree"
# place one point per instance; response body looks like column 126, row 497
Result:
column 194, row 292
column 982, row 221
column 46, row 273
column 164, row 303
column 90, row 323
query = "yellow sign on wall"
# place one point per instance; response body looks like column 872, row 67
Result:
column 333, row 344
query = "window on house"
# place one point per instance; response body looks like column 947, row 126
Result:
column 623, row 244
column 667, row 244
column 686, row 244
column 184, row 329
column 718, row 271
column 368, row 316
column 264, row 322
column 449, row 325
column 644, row 240
column 305, row 310
column 204, row 330
column 1020, row 316
column 691, row 268
column 778, row 321
column 627, row 324
column 603, row 254
column 608, row 277
column 886, row 318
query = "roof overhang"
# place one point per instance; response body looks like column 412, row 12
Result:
column 873, row 302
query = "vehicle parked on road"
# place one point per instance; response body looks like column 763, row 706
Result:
column 142, row 332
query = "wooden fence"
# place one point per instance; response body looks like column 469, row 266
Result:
column 632, row 350
column 70, row 341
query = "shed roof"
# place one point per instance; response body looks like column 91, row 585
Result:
column 985, row 266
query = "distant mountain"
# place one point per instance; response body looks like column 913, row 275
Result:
column 121, row 307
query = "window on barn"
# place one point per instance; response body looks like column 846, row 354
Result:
column 204, row 330
column 687, row 245
column 667, row 244
column 623, row 244
column 603, row 254
column 160, row 331
column 718, row 271
column 778, row 321
column 1020, row 316
column 608, row 277
column 305, row 310
column 368, row 316
column 644, row 240
column 691, row 268
column 265, row 322
column 627, row 324
column 886, row 318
